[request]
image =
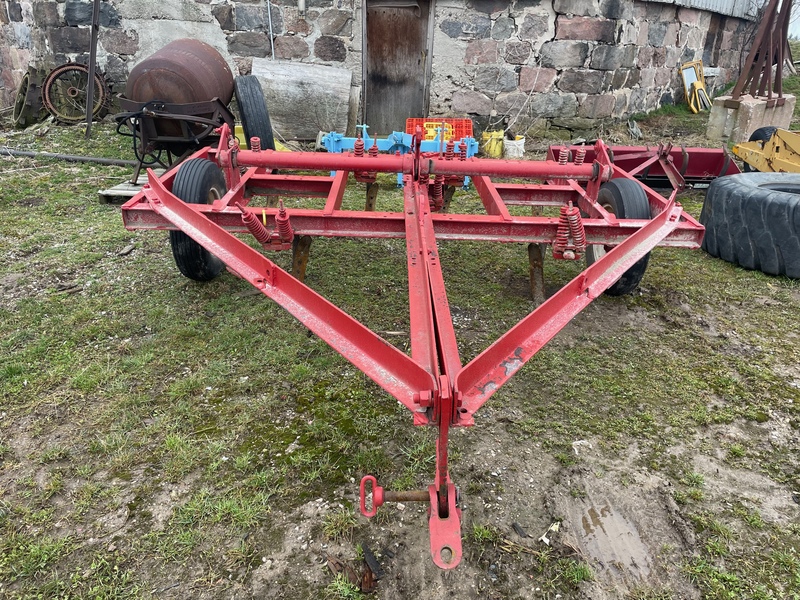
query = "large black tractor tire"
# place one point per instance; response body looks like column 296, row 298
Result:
column 198, row 181
column 253, row 111
column 627, row 200
column 753, row 220
column 762, row 134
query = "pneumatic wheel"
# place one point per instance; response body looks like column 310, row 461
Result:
column 198, row 181
column 253, row 111
column 626, row 199
column 762, row 134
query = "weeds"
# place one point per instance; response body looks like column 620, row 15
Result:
column 341, row 589
column 485, row 534
column 339, row 524
column 577, row 572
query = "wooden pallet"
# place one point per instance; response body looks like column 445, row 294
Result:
column 121, row 193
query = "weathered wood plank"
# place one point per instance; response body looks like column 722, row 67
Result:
column 304, row 99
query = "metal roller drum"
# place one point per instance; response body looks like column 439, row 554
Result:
column 182, row 72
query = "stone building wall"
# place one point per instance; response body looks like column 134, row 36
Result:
column 568, row 62
column 572, row 62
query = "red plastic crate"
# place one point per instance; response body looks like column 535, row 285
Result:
column 454, row 129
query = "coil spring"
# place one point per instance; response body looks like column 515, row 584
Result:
column 255, row 144
column 373, row 150
column 462, row 151
column 438, row 189
column 449, row 150
column 562, row 234
column 580, row 155
column 576, row 229
column 563, row 155
column 282, row 221
column 254, row 226
column 358, row 147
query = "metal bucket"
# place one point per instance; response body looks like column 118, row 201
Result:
column 182, row 72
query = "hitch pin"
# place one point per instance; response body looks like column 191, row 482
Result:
column 380, row 496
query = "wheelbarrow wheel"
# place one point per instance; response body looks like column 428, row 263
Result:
column 198, row 181
column 762, row 134
column 253, row 111
column 626, row 199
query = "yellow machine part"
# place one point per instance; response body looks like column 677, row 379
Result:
column 779, row 154
column 239, row 133
column 694, row 86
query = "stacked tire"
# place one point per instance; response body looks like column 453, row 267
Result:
column 753, row 220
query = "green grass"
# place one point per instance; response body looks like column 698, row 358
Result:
column 577, row 572
column 484, row 534
column 341, row 589
column 339, row 524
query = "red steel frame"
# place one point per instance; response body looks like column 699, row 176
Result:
column 432, row 382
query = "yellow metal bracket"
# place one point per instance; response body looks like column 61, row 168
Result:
column 779, row 154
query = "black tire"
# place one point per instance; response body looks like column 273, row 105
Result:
column 253, row 111
column 753, row 220
column 198, row 181
column 627, row 200
column 762, row 134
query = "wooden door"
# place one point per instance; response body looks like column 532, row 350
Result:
column 397, row 63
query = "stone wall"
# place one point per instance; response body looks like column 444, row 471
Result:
column 553, row 63
column 569, row 63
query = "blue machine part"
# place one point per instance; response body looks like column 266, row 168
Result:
column 396, row 142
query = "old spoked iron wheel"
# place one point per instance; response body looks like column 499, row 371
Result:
column 28, row 101
column 65, row 93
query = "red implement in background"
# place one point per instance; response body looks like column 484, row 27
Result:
column 665, row 165
column 433, row 382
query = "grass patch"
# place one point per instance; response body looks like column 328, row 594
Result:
column 339, row 525
column 341, row 589
column 23, row 556
column 484, row 534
